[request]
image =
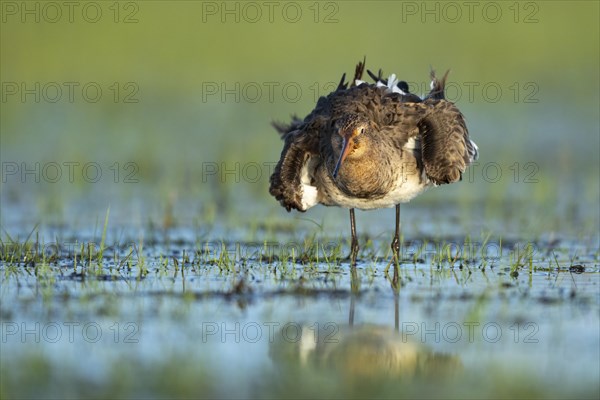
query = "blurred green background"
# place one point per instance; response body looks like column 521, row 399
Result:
column 188, row 86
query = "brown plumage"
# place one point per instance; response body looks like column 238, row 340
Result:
column 370, row 146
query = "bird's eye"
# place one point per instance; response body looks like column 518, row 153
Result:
column 362, row 130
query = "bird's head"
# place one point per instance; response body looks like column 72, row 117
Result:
column 351, row 129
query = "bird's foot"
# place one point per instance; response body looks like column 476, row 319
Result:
column 396, row 249
column 354, row 246
column 353, row 252
column 396, row 260
column 395, row 281
column 395, row 245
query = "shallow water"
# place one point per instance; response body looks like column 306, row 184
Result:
column 193, row 318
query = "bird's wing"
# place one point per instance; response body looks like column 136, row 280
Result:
column 286, row 183
column 301, row 141
column 439, row 128
column 394, row 116
column 446, row 149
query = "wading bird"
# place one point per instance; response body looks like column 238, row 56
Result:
column 370, row 146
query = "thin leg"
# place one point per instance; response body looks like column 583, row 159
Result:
column 354, row 243
column 351, row 314
column 396, row 241
column 396, row 313
column 396, row 244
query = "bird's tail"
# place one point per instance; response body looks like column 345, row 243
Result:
column 358, row 71
column 378, row 77
column 437, row 86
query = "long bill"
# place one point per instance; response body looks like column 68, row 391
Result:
column 345, row 151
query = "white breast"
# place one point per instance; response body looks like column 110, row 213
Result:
column 404, row 191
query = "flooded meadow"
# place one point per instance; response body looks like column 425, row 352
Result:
column 141, row 255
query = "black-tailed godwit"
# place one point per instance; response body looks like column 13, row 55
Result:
column 370, row 146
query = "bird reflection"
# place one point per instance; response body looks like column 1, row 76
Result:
column 362, row 351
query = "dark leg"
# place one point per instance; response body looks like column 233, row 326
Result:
column 396, row 312
column 354, row 243
column 396, row 244
column 351, row 314
column 396, row 241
